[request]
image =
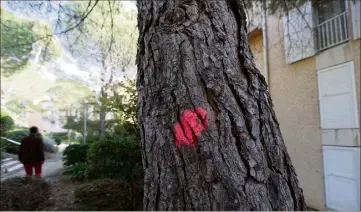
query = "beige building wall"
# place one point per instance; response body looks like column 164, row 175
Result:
column 293, row 90
column 356, row 55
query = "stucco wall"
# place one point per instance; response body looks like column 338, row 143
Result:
column 356, row 56
column 293, row 90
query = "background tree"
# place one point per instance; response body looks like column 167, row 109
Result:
column 121, row 105
column 209, row 135
column 20, row 39
column 6, row 123
column 107, row 37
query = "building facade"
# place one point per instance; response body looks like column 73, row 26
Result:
column 310, row 58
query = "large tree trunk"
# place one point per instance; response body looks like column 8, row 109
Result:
column 210, row 139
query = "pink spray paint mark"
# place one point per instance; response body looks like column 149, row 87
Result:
column 190, row 126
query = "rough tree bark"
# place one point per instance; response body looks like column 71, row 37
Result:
column 209, row 135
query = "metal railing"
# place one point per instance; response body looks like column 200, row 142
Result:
column 333, row 31
column 12, row 141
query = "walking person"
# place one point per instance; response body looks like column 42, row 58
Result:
column 31, row 153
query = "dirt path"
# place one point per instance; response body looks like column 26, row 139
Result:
column 63, row 195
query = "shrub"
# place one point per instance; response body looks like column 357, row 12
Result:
column 92, row 138
column 126, row 129
column 117, row 157
column 6, row 123
column 75, row 153
column 108, row 195
column 61, row 135
column 16, row 135
column 57, row 140
column 24, row 194
column 78, row 171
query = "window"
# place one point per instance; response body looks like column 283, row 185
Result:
column 332, row 21
column 299, row 33
column 329, row 9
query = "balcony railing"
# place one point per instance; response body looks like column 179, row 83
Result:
column 333, row 31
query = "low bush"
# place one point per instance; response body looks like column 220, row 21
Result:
column 62, row 135
column 75, row 153
column 24, row 194
column 108, row 195
column 16, row 135
column 57, row 140
column 115, row 157
column 78, row 171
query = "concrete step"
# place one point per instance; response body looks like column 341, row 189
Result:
column 16, row 167
column 6, row 159
column 10, row 165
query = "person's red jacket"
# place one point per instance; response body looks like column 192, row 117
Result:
column 31, row 150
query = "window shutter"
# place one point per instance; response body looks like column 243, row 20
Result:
column 298, row 33
column 337, row 95
column 356, row 19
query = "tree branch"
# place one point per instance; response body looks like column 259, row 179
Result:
column 82, row 19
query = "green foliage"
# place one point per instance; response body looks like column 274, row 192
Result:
column 67, row 92
column 109, row 29
column 57, row 140
column 63, row 136
column 123, row 101
column 64, row 93
column 122, row 105
column 76, row 153
column 77, row 125
column 17, row 39
column 6, row 123
column 127, row 129
column 17, row 105
column 51, row 49
column 78, row 171
column 108, row 195
column 117, row 157
column 24, row 194
column 16, row 135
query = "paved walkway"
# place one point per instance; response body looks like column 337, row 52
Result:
column 51, row 169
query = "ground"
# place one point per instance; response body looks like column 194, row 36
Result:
column 63, row 195
column 62, row 188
